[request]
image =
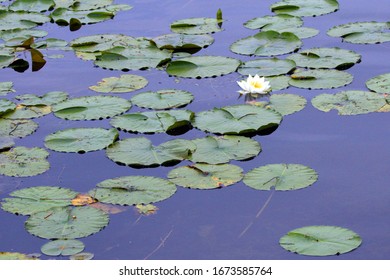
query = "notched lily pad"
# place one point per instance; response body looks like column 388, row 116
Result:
column 162, row 99
column 283, row 103
column 305, row 8
column 6, row 87
column 379, row 84
column 320, row 241
column 267, row 67
column 6, row 106
column 47, row 99
column 62, row 247
column 320, row 79
column 17, row 128
column 196, row 26
column 125, row 83
column 183, row 42
column 275, row 22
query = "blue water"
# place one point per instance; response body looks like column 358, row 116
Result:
column 350, row 153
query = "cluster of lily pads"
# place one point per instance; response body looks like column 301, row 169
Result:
column 63, row 215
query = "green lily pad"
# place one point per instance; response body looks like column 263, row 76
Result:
column 284, row 103
column 320, row 79
column 17, row 128
column 6, row 143
column 267, row 43
column 132, row 190
column 32, row 200
column 279, row 82
column 320, row 241
column 81, row 140
column 125, row 83
column 89, row 5
column 275, row 22
column 51, row 43
column 6, row 106
column 21, row 34
column 23, row 162
column 49, row 98
column 196, row 26
column 237, row 119
column 15, row 256
column 32, row 5
column 267, row 67
column 140, row 152
column 67, row 222
column 130, row 58
column 326, row 58
column 206, row 176
column 162, row 99
column 82, row 256
column 23, row 112
column 215, row 150
column 202, row 66
column 154, row 122
column 362, row 32
column 351, row 102
column 6, row 59
column 6, row 87
column 380, row 84
column 305, row 8
column 91, row 107
column 281, row 177
column 183, row 42
column 301, row 32
column 62, row 247
column 12, row 20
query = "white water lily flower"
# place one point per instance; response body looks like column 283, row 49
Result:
column 254, row 85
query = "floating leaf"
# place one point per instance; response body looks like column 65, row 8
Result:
column 32, row 5
column 66, row 223
column 91, row 4
column 62, row 247
column 237, row 119
column 285, row 103
column 32, row 200
column 206, row 176
column 351, row 102
column 282, row 177
column 154, row 122
column 81, row 140
column 91, row 107
column 12, row 20
column 183, row 42
column 215, row 150
column 6, row 106
column 15, row 256
column 132, row 190
column 82, row 256
column 320, row 240
column 267, row 43
column 48, row 99
column 320, row 79
column 380, row 84
column 279, row 82
column 326, row 58
column 28, row 112
column 202, row 66
column 162, row 99
column 108, row 208
column 23, row 162
column 83, row 199
column 267, row 67
column 146, row 210
column 275, row 22
column 17, row 128
column 196, row 26
column 6, row 143
column 362, row 32
column 305, row 8
column 6, row 87
column 125, row 83
column 139, row 152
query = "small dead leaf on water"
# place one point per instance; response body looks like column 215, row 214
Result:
column 83, row 199
column 146, row 210
column 109, row 209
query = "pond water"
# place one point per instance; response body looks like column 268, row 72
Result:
column 350, row 153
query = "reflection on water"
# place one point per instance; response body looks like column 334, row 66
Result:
column 349, row 153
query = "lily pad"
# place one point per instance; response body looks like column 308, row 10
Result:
column 6, row 106
column 125, row 83
column 267, row 67
column 82, row 256
column 66, row 222
column 32, row 200
column 362, row 32
column 351, row 102
column 237, row 119
column 196, row 26
column 132, row 190
column 320, row 79
column 23, row 112
column 206, row 176
column 62, row 247
column 49, row 98
column 215, row 150
column 12, row 20
column 21, row 34
column 267, row 43
column 15, row 256
column 24, row 162
column 183, row 42
column 326, row 58
column 6, row 143
column 284, row 103
column 301, row 32
column 202, row 66
column 279, row 82
column 305, row 8
column 380, row 84
column 32, row 5
column 81, row 140
column 154, row 122
column 275, row 22
column 91, row 108
column 140, row 152
column 89, row 5
column 17, row 128
column 320, row 241
column 162, row 99
column 281, row 177
column 6, row 87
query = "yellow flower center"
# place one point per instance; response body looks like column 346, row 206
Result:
column 256, row 84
